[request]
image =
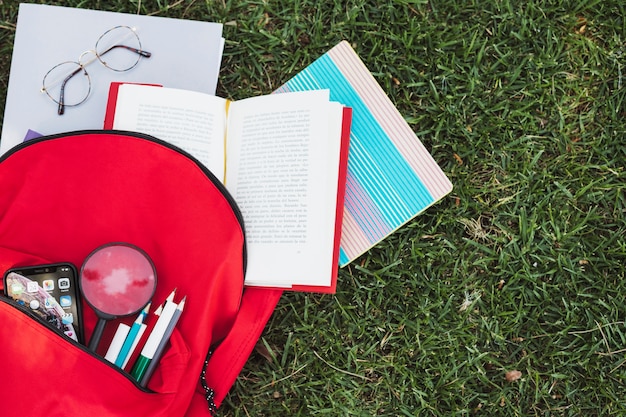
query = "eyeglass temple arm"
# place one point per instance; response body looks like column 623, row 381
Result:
column 141, row 52
column 61, row 108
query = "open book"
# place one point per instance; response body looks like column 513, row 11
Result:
column 281, row 156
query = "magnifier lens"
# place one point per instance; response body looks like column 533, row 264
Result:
column 116, row 280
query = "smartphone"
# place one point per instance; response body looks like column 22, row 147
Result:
column 50, row 292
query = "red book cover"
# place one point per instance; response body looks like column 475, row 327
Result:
column 109, row 114
column 341, row 193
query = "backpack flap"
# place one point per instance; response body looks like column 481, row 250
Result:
column 230, row 356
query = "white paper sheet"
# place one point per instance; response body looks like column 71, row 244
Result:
column 185, row 54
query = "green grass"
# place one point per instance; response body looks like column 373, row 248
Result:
column 520, row 268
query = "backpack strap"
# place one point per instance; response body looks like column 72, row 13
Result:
column 228, row 359
column 209, row 393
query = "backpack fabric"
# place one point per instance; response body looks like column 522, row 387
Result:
column 64, row 195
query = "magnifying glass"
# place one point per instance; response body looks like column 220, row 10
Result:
column 116, row 280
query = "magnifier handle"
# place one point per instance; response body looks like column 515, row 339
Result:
column 97, row 334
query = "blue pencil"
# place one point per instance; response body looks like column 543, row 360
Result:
column 133, row 337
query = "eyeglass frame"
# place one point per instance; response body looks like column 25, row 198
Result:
column 81, row 67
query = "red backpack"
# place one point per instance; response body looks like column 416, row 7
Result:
column 61, row 197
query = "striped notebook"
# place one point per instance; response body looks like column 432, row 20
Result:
column 391, row 176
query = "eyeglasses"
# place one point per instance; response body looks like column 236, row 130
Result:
column 122, row 48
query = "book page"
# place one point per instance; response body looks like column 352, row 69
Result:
column 195, row 122
column 282, row 169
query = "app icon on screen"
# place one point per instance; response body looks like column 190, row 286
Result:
column 48, row 285
column 32, row 286
column 65, row 301
column 63, row 283
column 17, row 288
column 49, row 303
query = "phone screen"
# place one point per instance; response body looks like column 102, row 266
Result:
column 50, row 292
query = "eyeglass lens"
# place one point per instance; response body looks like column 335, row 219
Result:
column 119, row 49
column 65, row 84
